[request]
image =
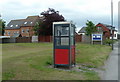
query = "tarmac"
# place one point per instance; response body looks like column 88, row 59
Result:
column 111, row 65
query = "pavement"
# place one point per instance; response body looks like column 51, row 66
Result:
column 111, row 65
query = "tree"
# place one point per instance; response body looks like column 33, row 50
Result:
column 90, row 28
column 50, row 16
column 37, row 28
column 2, row 27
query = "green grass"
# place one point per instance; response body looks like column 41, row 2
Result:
column 31, row 61
column 92, row 55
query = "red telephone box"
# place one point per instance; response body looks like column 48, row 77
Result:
column 64, row 44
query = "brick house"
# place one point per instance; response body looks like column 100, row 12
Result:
column 101, row 28
column 23, row 27
column 105, row 30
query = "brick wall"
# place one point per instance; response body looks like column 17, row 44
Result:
column 27, row 31
column 10, row 32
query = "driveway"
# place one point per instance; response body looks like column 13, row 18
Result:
column 111, row 65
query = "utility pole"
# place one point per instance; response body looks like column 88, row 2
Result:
column 0, row 17
column 112, row 21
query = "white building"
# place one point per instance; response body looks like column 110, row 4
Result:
column 115, row 37
column 82, row 31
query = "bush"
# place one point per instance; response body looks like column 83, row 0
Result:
column 108, row 41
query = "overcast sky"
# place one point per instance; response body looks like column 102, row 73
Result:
column 79, row 11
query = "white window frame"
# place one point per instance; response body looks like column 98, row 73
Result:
column 25, row 22
column 11, row 25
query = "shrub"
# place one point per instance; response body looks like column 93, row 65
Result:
column 108, row 41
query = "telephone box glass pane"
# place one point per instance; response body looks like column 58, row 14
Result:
column 61, row 31
column 62, row 41
column 57, row 41
column 65, row 41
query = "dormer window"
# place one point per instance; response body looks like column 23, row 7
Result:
column 99, row 28
column 11, row 25
column 25, row 22
column 31, row 22
column 16, row 25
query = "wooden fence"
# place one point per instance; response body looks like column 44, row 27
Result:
column 78, row 38
column 44, row 38
column 23, row 39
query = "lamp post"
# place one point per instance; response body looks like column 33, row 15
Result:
column 112, row 21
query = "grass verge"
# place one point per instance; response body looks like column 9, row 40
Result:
column 31, row 61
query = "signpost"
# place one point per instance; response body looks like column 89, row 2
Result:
column 63, row 44
column 97, row 38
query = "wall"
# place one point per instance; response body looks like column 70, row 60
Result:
column 23, row 39
column 86, row 39
column 26, row 33
column 78, row 38
column 7, row 40
column 12, row 31
column 115, row 35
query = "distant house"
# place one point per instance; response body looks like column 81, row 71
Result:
column 102, row 29
column 105, row 30
column 82, row 31
column 22, row 27
column 116, row 35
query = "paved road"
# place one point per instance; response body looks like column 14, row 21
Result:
column 111, row 66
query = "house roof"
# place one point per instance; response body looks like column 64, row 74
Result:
column 29, row 21
column 15, row 24
column 108, row 26
column 82, row 30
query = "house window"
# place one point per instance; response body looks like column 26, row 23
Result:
column 17, row 32
column 31, row 22
column 27, row 30
column 5, row 33
column 8, row 33
column 114, row 35
column 23, row 31
column 25, row 22
column 99, row 28
column 11, row 25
